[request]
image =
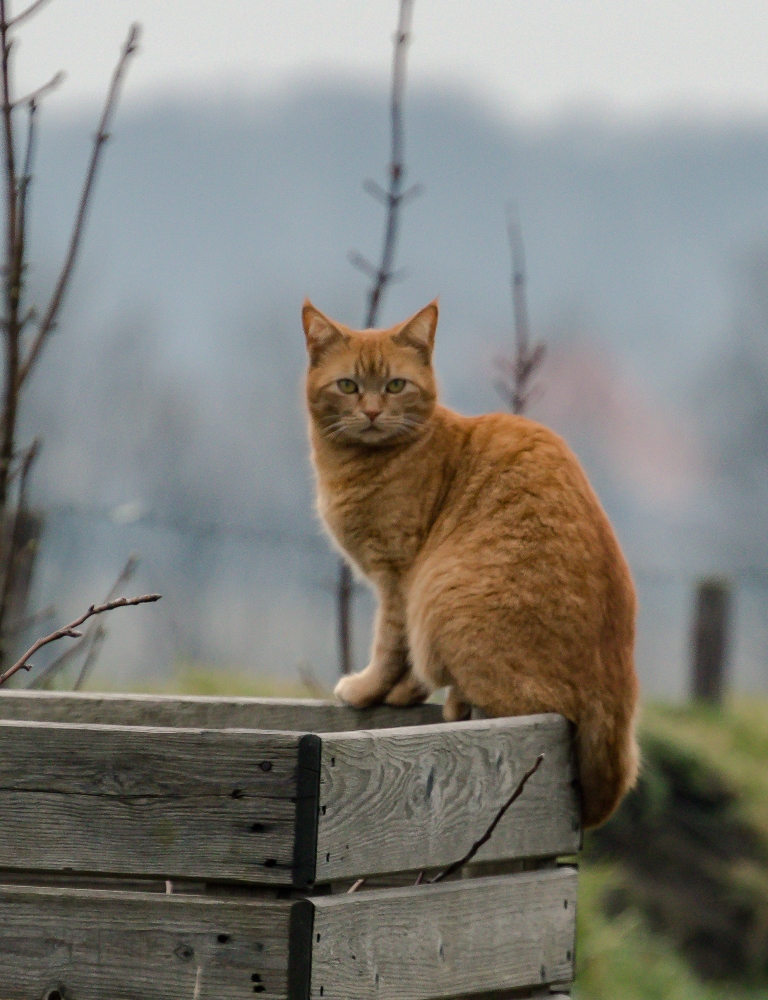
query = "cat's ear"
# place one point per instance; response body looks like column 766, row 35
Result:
column 419, row 331
column 320, row 332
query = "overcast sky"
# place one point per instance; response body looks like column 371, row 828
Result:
column 527, row 56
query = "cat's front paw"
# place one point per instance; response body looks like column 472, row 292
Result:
column 358, row 690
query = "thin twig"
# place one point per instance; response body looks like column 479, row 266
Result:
column 36, row 95
column 355, row 886
column 32, row 9
column 518, row 373
column 49, row 319
column 519, row 303
column 41, row 680
column 71, row 629
column 29, row 316
column 394, row 196
column 34, row 619
column 12, row 276
column 489, row 832
column 90, row 660
column 11, row 562
column 315, row 687
column 24, row 183
column 53, row 668
column 344, row 592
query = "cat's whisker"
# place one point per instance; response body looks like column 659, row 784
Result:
column 337, row 430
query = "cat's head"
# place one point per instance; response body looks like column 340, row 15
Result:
column 370, row 387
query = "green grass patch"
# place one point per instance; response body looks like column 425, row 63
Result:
column 686, row 853
column 620, row 959
column 732, row 741
column 202, row 679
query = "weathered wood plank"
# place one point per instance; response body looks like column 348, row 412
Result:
column 166, row 711
column 459, row 938
column 415, row 798
column 89, row 945
column 205, row 804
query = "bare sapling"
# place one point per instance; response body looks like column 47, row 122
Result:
column 26, row 328
column 393, row 198
column 517, row 373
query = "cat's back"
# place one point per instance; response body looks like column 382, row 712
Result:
column 503, row 460
column 521, row 501
column 522, row 539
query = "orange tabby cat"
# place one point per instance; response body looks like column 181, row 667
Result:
column 496, row 569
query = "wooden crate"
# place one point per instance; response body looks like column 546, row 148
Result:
column 156, row 848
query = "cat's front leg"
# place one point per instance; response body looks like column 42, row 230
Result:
column 389, row 658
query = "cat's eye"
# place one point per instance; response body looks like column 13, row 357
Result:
column 347, row 386
column 396, row 385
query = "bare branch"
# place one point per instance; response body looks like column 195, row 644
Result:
column 355, row 886
column 363, row 264
column 55, row 666
column 344, row 592
column 29, row 317
column 315, row 687
column 40, row 681
column 393, row 197
column 90, row 660
column 49, row 319
column 11, row 275
column 489, row 832
column 11, row 560
column 71, row 629
column 376, row 191
column 20, row 458
column 10, row 152
column 413, row 192
column 125, row 575
column 32, row 9
column 23, row 198
column 34, row 98
column 34, row 619
column 514, row 389
column 519, row 303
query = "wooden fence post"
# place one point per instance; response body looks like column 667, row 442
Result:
column 710, row 639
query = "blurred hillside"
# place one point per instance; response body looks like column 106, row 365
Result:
column 674, row 889
column 170, row 399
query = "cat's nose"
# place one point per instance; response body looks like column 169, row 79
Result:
column 372, row 414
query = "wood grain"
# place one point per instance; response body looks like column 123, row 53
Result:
column 291, row 714
column 469, row 937
column 90, row 945
column 115, row 800
column 394, row 800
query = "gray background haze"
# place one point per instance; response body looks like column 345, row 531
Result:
column 169, row 399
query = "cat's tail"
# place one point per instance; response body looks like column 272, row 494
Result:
column 606, row 745
column 608, row 760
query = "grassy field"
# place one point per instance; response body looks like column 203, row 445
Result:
column 190, row 678
column 618, row 957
